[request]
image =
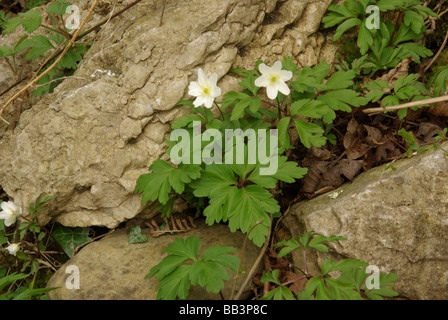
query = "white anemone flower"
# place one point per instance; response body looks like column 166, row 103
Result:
column 13, row 248
column 273, row 78
column 205, row 89
column 10, row 212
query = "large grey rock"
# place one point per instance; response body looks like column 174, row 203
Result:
column 113, row 269
column 396, row 220
column 87, row 143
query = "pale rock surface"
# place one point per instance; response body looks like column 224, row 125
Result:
column 113, row 269
column 89, row 141
column 396, row 220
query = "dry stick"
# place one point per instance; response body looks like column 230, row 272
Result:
column 60, row 79
column 32, row 82
column 82, row 35
column 163, row 11
column 406, row 105
column 257, row 261
column 242, row 255
column 58, row 51
column 438, row 53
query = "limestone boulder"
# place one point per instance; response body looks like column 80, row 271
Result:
column 113, row 269
column 396, row 220
column 89, row 141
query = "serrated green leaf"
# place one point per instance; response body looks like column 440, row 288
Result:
column 208, row 274
column 340, row 80
column 269, row 276
column 166, row 266
column 342, row 99
column 72, row 57
column 58, row 7
column 30, row 20
column 175, row 285
column 219, row 254
column 310, row 133
column 157, row 184
column 185, row 248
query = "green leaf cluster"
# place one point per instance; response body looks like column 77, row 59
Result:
column 349, row 285
column 382, row 48
column 183, row 267
column 43, row 44
column 407, row 88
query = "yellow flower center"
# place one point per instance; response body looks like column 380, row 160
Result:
column 206, row 90
column 273, row 78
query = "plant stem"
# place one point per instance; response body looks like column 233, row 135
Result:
column 257, row 261
column 242, row 256
column 407, row 105
column 32, row 82
column 219, row 109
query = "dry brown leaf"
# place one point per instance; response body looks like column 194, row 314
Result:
column 393, row 75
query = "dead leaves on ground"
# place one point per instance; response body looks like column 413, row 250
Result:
column 295, row 282
column 364, row 146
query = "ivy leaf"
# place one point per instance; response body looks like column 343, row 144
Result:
column 70, row 238
column 136, row 235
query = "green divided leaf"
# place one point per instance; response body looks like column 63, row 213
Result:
column 30, row 20
column 158, row 184
column 70, row 238
column 310, row 133
column 39, row 45
column 209, row 271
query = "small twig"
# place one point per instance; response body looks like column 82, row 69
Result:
column 55, row 30
column 163, row 11
column 242, row 256
column 292, row 281
column 95, row 27
column 32, row 82
column 278, row 222
column 257, row 261
column 407, row 105
column 437, row 54
column 60, row 79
